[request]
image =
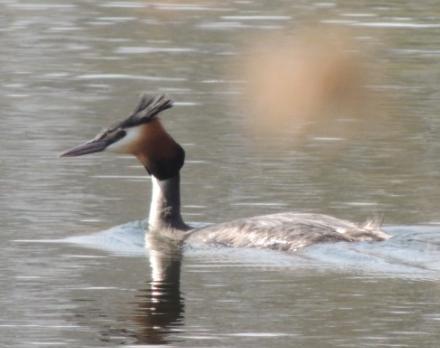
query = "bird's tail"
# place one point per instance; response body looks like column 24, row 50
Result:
column 374, row 227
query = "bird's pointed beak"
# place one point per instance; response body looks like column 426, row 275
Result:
column 97, row 144
column 91, row 146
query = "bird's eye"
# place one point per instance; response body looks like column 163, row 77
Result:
column 113, row 135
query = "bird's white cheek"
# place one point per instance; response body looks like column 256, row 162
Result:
column 127, row 143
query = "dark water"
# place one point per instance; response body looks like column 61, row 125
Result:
column 68, row 278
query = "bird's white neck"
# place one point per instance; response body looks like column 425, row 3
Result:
column 165, row 205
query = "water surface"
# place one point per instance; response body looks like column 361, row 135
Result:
column 74, row 269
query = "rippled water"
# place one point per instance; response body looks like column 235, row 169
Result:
column 73, row 268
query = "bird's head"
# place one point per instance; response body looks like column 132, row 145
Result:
column 142, row 135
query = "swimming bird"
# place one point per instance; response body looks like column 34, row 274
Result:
column 142, row 134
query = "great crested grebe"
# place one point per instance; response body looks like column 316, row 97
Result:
column 142, row 135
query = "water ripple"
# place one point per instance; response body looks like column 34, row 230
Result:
column 127, row 77
column 143, row 50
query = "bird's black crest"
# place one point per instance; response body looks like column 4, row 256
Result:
column 146, row 110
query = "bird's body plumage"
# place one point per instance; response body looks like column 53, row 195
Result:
column 284, row 231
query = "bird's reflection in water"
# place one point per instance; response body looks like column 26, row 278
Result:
column 160, row 306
